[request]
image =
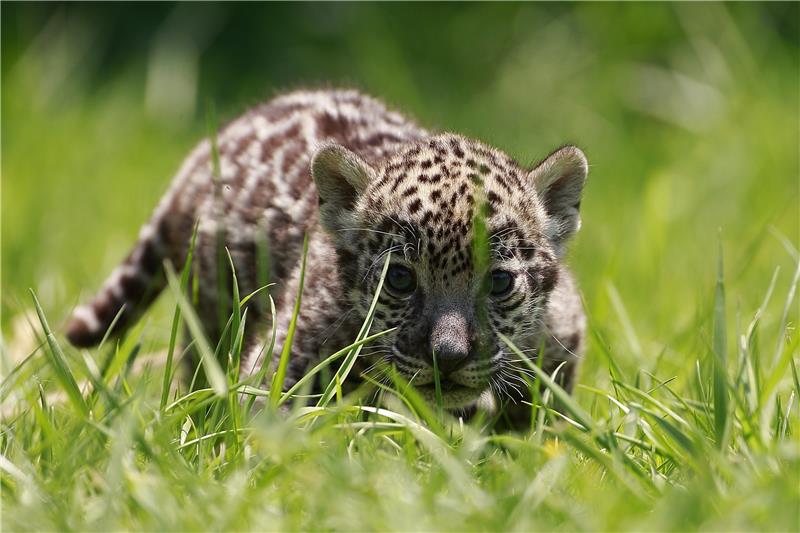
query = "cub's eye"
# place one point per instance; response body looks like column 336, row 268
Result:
column 502, row 283
column 400, row 280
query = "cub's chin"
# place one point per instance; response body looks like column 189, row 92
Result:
column 454, row 396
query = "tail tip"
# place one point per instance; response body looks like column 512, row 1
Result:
column 80, row 332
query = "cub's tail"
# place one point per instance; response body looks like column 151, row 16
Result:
column 128, row 291
column 135, row 284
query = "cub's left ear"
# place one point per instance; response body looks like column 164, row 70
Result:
column 341, row 177
column 559, row 181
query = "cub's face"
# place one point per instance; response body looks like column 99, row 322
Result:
column 473, row 243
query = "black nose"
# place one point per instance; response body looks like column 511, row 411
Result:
column 450, row 340
column 448, row 360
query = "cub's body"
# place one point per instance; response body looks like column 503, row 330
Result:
column 364, row 182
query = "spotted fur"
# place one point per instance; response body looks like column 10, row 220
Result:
column 365, row 184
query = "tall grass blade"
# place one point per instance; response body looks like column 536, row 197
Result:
column 111, row 327
column 214, row 374
column 437, row 383
column 283, row 364
column 265, row 355
column 255, row 293
column 769, row 389
column 785, row 315
column 561, row 395
column 309, row 376
column 237, row 325
column 580, row 442
column 59, row 363
column 176, row 321
column 605, row 350
column 405, row 392
column 719, row 346
column 350, row 358
column 625, row 320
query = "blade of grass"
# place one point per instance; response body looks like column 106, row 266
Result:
column 720, row 383
column 176, row 320
column 625, row 320
column 236, row 320
column 350, row 358
column 437, row 385
column 283, row 364
column 59, row 362
column 653, row 401
column 614, row 368
column 111, row 327
column 563, row 396
column 405, row 391
column 787, row 306
column 247, row 298
column 308, row 376
column 115, row 364
column 460, row 481
column 769, row 389
column 10, row 380
column 214, row 374
column 579, row 441
column 265, row 355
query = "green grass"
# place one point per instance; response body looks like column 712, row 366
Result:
column 720, row 452
column 686, row 413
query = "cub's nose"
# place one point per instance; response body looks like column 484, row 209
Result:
column 450, row 340
column 450, row 358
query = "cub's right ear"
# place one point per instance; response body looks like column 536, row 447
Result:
column 341, row 177
column 559, row 182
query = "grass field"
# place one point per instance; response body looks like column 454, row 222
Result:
column 686, row 416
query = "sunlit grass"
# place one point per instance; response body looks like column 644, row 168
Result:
column 109, row 455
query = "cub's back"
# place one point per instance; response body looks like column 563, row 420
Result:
column 262, row 193
column 265, row 183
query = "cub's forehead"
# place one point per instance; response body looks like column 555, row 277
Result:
column 445, row 176
column 424, row 202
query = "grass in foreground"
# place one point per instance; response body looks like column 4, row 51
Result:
column 92, row 440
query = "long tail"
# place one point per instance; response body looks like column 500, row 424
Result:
column 128, row 292
column 137, row 282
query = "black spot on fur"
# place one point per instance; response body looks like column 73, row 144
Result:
column 457, row 151
column 410, row 191
column 151, row 259
column 133, row 286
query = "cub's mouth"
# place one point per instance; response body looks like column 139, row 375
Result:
column 446, row 385
column 454, row 395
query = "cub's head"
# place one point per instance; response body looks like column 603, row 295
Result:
column 474, row 242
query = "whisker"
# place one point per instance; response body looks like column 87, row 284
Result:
column 370, row 230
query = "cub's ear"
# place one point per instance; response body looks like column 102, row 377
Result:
column 559, row 181
column 341, row 177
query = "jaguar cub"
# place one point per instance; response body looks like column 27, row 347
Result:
column 365, row 183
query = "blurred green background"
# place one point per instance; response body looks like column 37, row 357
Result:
column 688, row 114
